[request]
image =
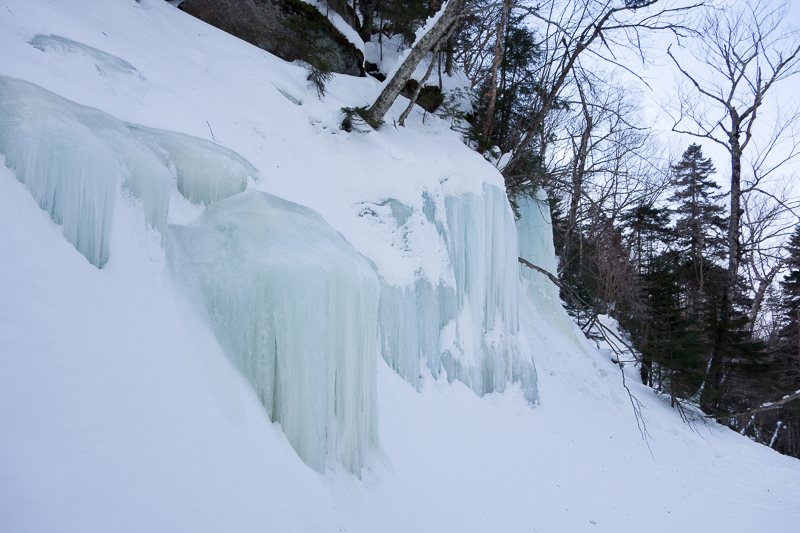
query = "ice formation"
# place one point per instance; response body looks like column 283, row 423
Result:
column 535, row 235
column 72, row 159
column 104, row 62
column 206, row 172
column 467, row 327
column 536, row 246
column 411, row 319
column 295, row 308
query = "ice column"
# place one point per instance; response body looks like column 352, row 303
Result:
column 468, row 328
column 295, row 307
column 535, row 235
column 483, row 254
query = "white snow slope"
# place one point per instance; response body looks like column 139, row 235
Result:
column 120, row 412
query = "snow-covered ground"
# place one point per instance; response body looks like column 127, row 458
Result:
column 119, row 410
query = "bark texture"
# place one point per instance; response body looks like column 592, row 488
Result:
column 392, row 89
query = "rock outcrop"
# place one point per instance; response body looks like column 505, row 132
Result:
column 290, row 29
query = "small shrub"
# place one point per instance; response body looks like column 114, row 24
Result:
column 357, row 119
column 319, row 74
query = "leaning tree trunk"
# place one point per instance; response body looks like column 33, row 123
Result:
column 413, row 100
column 498, row 58
column 392, row 89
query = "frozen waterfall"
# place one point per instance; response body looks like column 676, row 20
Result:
column 73, row 158
column 297, row 310
column 295, row 307
column 469, row 327
column 535, row 234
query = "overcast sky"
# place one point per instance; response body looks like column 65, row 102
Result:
column 662, row 81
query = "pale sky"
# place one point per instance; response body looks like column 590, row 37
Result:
column 662, row 78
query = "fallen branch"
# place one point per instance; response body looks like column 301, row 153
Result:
column 212, row 131
column 604, row 331
column 578, row 301
column 769, row 407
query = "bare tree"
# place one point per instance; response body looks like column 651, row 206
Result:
column 741, row 53
column 498, row 58
column 474, row 49
column 765, row 228
column 573, row 28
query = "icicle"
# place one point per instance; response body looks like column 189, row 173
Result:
column 72, row 159
column 468, row 329
column 295, row 308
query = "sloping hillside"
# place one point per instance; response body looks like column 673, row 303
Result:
column 122, row 404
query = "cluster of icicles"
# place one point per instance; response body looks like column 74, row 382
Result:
column 298, row 311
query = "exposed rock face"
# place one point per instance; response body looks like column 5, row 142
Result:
column 290, row 29
column 347, row 12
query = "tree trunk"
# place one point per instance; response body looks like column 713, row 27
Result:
column 758, row 301
column 398, row 81
column 367, row 8
column 709, row 400
column 578, row 173
column 418, row 89
column 498, row 58
column 734, row 248
column 450, row 53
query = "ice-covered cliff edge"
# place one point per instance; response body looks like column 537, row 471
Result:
column 293, row 305
column 73, row 158
column 121, row 411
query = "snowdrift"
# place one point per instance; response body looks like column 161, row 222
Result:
column 217, row 307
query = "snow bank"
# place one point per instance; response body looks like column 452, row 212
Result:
column 72, row 159
column 294, row 306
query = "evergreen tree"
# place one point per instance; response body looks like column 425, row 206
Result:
column 515, row 91
column 649, row 234
column 668, row 342
column 789, row 334
column 649, row 231
column 787, row 355
column 699, row 225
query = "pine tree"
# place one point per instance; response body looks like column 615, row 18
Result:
column 647, row 319
column 789, row 334
column 649, row 230
column 700, row 224
column 669, row 344
column 787, row 354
